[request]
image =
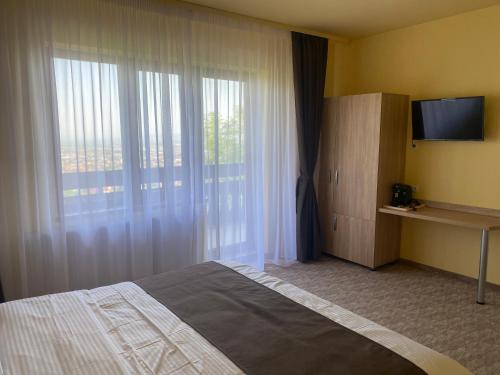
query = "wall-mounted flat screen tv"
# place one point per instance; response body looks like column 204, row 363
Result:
column 460, row 119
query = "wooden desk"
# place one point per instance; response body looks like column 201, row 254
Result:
column 462, row 219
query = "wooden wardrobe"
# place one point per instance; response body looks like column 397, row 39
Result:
column 362, row 155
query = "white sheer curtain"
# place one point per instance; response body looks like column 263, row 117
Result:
column 137, row 138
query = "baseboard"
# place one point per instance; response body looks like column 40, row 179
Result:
column 455, row 275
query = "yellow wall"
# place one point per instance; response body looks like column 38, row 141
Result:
column 329, row 84
column 455, row 56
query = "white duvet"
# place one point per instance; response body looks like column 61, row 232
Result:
column 119, row 329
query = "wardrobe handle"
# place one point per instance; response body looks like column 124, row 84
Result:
column 334, row 223
column 337, row 177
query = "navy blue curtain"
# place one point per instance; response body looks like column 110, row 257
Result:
column 309, row 69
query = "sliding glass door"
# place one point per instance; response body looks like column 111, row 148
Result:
column 123, row 150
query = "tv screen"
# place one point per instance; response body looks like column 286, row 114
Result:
column 448, row 119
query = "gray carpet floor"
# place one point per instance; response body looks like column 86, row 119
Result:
column 431, row 307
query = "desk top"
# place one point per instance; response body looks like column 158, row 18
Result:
column 440, row 215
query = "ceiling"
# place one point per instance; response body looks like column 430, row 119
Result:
column 348, row 18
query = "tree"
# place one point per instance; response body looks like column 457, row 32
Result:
column 230, row 135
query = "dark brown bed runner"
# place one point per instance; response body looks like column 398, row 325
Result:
column 264, row 332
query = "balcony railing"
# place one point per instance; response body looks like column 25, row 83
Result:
column 102, row 191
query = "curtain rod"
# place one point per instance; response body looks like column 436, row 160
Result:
column 279, row 25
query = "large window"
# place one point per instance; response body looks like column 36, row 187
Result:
column 111, row 157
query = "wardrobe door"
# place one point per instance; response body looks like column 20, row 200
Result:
column 353, row 239
column 325, row 187
column 343, row 123
column 340, row 229
column 357, row 124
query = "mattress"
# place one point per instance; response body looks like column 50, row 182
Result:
column 120, row 329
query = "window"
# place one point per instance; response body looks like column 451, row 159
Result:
column 223, row 118
column 93, row 137
column 110, row 156
column 90, row 135
column 160, row 138
column 224, row 158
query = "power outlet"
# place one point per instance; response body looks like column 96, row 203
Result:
column 414, row 188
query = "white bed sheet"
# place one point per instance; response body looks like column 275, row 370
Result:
column 120, row 329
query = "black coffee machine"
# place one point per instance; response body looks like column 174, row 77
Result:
column 401, row 195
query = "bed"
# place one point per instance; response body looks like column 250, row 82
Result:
column 131, row 328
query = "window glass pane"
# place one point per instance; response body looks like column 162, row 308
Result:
column 151, row 132
column 160, row 140
column 209, row 120
column 224, row 170
column 175, row 117
column 223, row 121
column 231, row 126
column 90, row 135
